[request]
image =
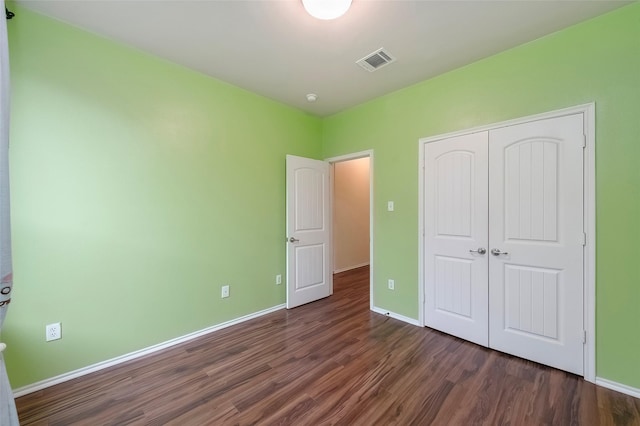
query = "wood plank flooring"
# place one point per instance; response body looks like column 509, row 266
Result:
column 328, row 362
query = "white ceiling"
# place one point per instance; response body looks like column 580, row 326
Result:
column 272, row 47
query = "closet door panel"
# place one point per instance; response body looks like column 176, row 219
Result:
column 536, row 241
column 456, row 236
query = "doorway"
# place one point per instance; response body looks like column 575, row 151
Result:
column 352, row 201
column 310, row 199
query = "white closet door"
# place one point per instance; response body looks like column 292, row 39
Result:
column 536, row 240
column 455, row 207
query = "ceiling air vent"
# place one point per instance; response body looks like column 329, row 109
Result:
column 376, row 60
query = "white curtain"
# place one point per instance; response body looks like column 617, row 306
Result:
column 8, row 415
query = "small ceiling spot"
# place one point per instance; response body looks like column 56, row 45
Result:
column 312, row 97
column 376, row 60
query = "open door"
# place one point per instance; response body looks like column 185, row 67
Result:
column 309, row 275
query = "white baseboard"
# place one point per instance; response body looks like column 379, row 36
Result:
column 337, row 271
column 396, row 316
column 618, row 387
column 137, row 354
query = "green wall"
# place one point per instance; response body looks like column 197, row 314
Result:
column 138, row 189
column 594, row 61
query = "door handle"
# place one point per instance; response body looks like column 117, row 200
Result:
column 497, row 252
column 293, row 240
column 481, row 250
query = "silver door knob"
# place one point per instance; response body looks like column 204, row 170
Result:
column 481, row 250
column 293, row 240
column 497, row 252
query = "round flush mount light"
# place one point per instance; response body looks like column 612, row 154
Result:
column 326, row 9
column 312, row 97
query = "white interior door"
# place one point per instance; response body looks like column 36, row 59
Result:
column 309, row 275
column 456, row 237
column 536, row 224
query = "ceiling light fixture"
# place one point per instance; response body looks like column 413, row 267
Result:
column 326, row 9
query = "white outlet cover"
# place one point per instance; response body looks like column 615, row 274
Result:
column 278, row 279
column 390, row 206
column 53, row 332
column 225, row 291
column 392, row 284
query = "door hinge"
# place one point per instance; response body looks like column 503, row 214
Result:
column 584, row 337
column 584, row 141
column 584, row 238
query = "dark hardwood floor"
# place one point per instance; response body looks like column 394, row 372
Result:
column 329, row 362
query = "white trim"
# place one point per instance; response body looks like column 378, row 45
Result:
column 589, row 208
column 395, row 316
column 514, row 122
column 355, row 156
column 349, row 268
column 618, row 387
column 421, row 239
column 137, row 354
column 349, row 157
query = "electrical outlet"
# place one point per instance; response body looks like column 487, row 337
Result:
column 225, row 291
column 53, row 332
column 391, row 284
column 278, row 279
column 390, row 206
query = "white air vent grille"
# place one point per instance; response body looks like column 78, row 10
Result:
column 376, row 60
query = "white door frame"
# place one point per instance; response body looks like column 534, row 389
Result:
column 348, row 157
column 588, row 111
